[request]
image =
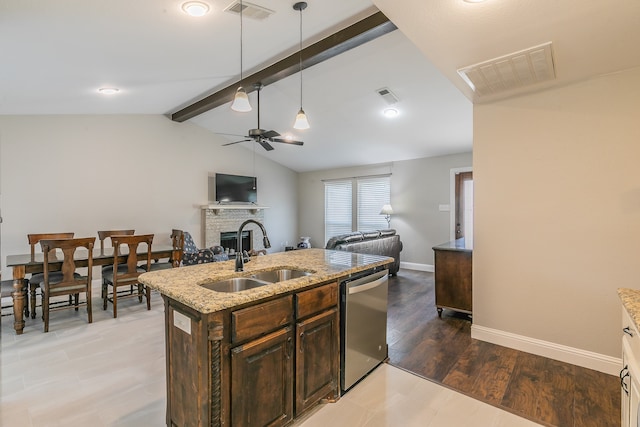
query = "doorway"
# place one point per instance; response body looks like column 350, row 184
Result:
column 461, row 204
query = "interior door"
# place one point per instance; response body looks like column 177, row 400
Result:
column 464, row 204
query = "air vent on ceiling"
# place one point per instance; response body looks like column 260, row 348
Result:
column 249, row 10
column 513, row 71
column 387, row 95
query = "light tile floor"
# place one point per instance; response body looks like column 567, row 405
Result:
column 112, row 373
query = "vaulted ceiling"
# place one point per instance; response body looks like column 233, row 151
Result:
column 55, row 55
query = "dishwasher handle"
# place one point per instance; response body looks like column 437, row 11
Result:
column 367, row 285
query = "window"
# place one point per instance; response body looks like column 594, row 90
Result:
column 341, row 201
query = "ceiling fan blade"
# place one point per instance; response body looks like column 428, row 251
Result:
column 270, row 134
column 286, row 141
column 265, row 144
column 236, row 142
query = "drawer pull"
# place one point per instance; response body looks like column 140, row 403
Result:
column 627, row 330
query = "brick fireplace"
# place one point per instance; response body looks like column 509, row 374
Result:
column 219, row 221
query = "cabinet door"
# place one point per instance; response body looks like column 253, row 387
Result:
column 262, row 381
column 317, row 359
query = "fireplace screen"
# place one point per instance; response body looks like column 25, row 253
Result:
column 229, row 240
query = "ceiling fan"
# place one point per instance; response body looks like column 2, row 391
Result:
column 261, row 136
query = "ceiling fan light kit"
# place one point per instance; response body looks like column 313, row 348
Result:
column 301, row 122
column 241, row 102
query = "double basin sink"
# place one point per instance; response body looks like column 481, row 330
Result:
column 256, row 280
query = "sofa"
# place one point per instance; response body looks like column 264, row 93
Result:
column 377, row 242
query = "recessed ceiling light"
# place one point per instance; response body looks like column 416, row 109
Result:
column 195, row 8
column 473, row 1
column 108, row 90
column 390, row 112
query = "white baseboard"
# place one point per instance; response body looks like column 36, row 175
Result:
column 575, row 356
column 416, row 266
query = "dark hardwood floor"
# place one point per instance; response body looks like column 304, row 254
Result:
column 546, row 391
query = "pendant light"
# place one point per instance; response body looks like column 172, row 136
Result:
column 301, row 118
column 241, row 99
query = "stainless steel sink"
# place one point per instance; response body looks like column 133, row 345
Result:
column 279, row 275
column 235, row 284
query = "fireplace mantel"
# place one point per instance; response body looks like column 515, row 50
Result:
column 217, row 208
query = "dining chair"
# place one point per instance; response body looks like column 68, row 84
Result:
column 36, row 279
column 119, row 277
column 177, row 241
column 104, row 235
column 67, row 281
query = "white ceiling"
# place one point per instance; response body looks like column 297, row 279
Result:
column 55, row 55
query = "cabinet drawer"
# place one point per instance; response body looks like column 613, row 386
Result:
column 316, row 300
column 632, row 336
column 261, row 319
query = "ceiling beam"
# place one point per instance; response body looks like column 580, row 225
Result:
column 355, row 35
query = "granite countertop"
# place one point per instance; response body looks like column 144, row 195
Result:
column 631, row 302
column 182, row 284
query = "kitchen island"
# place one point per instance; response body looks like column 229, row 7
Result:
column 260, row 356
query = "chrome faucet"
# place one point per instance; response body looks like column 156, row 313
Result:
column 265, row 241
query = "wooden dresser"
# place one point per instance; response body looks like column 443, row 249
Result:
column 453, row 262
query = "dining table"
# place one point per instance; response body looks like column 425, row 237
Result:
column 24, row 264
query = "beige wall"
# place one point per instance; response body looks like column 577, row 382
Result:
column 418, row 187
column 84, row 173
column 557, row 212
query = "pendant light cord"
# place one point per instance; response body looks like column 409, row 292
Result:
column 241, row 7
column 300, row 58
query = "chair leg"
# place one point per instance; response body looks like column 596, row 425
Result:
column 45, row 310
column 104, row 295
column 32, row 288
column 89, row 308
column 77, row 299
column 139, row 292
column 148, row 293
column 115, row 301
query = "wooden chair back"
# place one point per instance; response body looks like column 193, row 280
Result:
column 34, row 239
column 132, row 242
column 66, row 281
column 105, row 234
column 177, row 240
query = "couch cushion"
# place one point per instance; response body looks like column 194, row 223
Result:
column 366, row 235
column 387, row 232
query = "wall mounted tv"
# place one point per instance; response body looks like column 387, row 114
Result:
column 236, row 189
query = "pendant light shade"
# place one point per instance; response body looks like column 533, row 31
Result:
column 241, row 99
column 301, row 121
column 301, row 118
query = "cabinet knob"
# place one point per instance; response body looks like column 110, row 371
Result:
column 627, row 330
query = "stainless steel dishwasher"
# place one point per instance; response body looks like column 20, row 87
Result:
column 364, row 325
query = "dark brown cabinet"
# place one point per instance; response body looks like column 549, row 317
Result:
column 453, row 280
column 262, row 381
column 260, row 365
column 317, row 346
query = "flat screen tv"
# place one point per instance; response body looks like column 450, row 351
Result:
column 236, row 189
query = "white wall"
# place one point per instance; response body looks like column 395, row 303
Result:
column 418, row 187
column 557, row 212
column 85, row 173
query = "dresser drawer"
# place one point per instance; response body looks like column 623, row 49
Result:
column 630, row 332
column 261, row 319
